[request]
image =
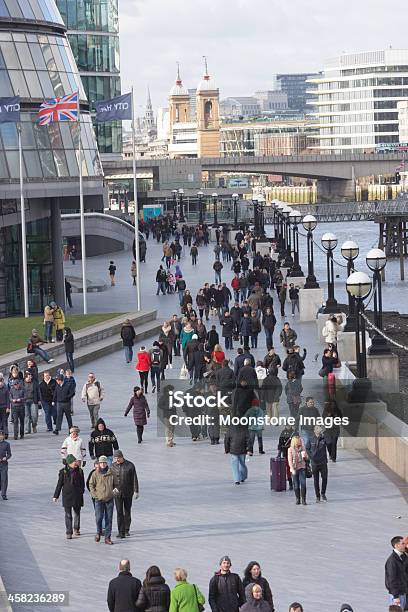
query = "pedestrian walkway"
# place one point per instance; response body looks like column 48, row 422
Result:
column 189, row 512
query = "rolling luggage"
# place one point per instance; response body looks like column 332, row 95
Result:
column 278, row 474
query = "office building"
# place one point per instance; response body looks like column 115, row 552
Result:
column 295, row 86
column 286, row 137
column 93, row 33
column 240, row 106
column 36, row 63
column 356, row 102
column 272, row 101
column 402, row 107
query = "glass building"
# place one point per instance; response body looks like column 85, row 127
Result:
column 93, row 33
column 356, row 101
column 36, row 63
column 296, row 87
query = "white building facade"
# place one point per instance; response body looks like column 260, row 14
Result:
column 355, row 103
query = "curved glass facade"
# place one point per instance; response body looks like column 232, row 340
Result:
column 93, row 33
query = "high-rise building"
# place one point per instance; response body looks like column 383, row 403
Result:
column 36, row 63
column 356, row 101
column 93, row 33
column 295, row 86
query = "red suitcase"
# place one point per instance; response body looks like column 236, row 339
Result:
column 278, row 473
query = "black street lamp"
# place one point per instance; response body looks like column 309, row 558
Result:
column 200, row 196
column 359, row 285
column 275, row 205
column 261, row 216
column 215, row 204
column 309, row 223
column 285, row 212
column 256, row 219
column 350, row 251
column 181, row 193
column 376, row 260
column 235, row 198
column 174, row 192
column 295, row 218
column 329, row 243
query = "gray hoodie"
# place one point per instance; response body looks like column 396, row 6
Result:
column 254, row 605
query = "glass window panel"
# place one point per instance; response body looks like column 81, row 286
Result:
column 72, row 81
column 37, row 56
column 72, row 162
column 89, row 162
column 5, row 36
column 81, row 21
column 34, row 84
column 32, row 162
column 55, row 136
column 27, row 135
column 47, row 13
column 72, row 14
column 43, row 39
column 82, row 61
column 10, row 55
column 48, row 56
column 47, row 163
column 3, row 9
column 58, row 60
column 61, row 163
column 14, row 9
column 84, row 166
column 46, row 84
column 24, row 55
column 65, row 59
column 9, row 136
column 65, row 83
column 5, row 84
column 62, row 7
column 66, row 136
column 3, row 166
column 41, row 136
column 19, row 84
column 56, row 83
column 13, row 164
column 18, row 36
column 32, row 38
column 37, row 10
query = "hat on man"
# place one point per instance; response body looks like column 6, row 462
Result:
column 194, row 337
column 225, row 558
column 117, row 453
column 346, row 608
column 74, row 428
column 70, row 459
column 103, row 459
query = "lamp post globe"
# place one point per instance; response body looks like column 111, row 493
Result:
column 376, row 259
column 309, row 222
column 359, row 285
column 350, row 251
column 329, row 241
column 200, row 196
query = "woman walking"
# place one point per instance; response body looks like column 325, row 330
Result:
column 141, row 411
column 143, row 366
column 154, row 596
column 69, row 348
column 297, row 457
column 72, row 484
column 253, row 575
column 185, row 597
column 133, row 273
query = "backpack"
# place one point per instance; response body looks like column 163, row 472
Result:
column 98, row 385
column 156, row 357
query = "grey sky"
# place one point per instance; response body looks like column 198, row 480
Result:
column 246, row 41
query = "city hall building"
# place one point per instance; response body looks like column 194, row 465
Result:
column 36, row 63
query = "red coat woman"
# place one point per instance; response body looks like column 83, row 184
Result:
column 141, row 411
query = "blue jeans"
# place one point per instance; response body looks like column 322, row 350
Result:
column 104, row 511
column 236, row 295
column 48, row 325
column 41, row 353
column 244, row 293
column 403, row 601
column 306, row 436
column 239, row 469
column 50, row 414
column 218, row 278
column 299, row 480
column 180, row 296
column 31, row 415
column 161, row 287
column 128, row 353
column 269, row 338
column 70, row 361
column 228, row 343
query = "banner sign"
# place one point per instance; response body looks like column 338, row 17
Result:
column 117, row 109
column 10, row 110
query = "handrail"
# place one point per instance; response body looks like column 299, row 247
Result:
column 69, row 216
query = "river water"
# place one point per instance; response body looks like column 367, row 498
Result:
column 365, row 234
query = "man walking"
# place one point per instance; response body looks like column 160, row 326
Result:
column 123, row 590
column 226, row 591
column 4, row 406
column 74, row 445
column 236, row 444
column 101, row 489
column 63, row 394
column 93, row 394
column 128, row 335
column 126, row 486
column 317, row 451
column 5, row 455
column 396, row 580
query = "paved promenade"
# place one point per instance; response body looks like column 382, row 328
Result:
column 189, row 512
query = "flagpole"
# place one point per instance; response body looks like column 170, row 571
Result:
column 23, row 226
column 138, row 301
column 82, row 216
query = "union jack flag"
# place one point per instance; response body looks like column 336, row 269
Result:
column 59, row 109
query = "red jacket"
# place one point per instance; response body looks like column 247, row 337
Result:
column 235, row 283
column 143, row 361
column 219, row 356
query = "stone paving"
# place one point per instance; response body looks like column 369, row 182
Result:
column 189, row 512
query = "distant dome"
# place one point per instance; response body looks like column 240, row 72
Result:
column 206, row 84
